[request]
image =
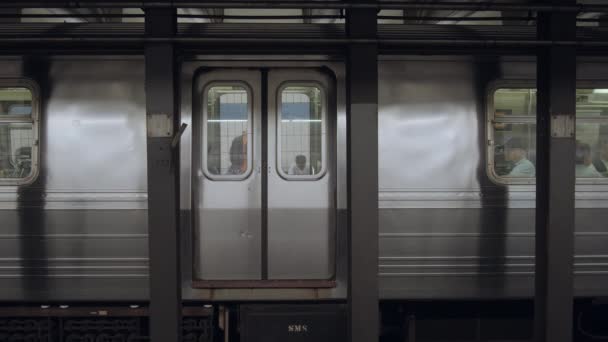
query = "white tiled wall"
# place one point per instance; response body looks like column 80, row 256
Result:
column 295, row 140
column 295, row 135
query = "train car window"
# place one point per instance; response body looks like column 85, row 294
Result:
column 227, row 128
column 592, row 133
column 513, row 135
column 301, row 131
column 18, row 135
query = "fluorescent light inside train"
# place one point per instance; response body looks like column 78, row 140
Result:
column 243, row 120
column 301, row 120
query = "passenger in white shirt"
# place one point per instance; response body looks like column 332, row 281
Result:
column 299, row 167
column 584, row 167
column 516, row 152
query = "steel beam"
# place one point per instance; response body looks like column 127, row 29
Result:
column 10, row 15
column 410, row 43
column 328, row 4
column 555, row 178
column 163, row 181
column 362, row 179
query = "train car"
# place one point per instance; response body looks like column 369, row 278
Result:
column 453, row 223
column 264, row 197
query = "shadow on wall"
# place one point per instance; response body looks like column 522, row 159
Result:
column 31, row 198
column 493, row 213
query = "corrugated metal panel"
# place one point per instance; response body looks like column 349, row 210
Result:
column 266, row 30
column 290, row 31
column 72, row 29
column 484, row 32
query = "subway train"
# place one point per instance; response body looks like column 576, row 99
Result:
column 456, row 179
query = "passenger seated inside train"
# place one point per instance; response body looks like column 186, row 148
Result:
column 299, row 167
column 584, row 167
column 516, row 152
column 238, row 155
column 601, row 160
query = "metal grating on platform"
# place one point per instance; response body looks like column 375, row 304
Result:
column 28, row 329
column 94, row 325
column 111, row 329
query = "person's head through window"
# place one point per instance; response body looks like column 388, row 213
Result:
column 583, row 154
column 517, row 153
column 299, row 166
column 301, row 162
column 515, row 150
column 584, row 160
column 238, row 155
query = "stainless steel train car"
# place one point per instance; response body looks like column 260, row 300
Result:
column 263, row 179
column 455, row 223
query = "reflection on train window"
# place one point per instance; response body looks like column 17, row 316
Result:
column 228, row 129
column 515, row 102
column 301, row 131
column 16, row 134
column 514, row 133
column 15, row 102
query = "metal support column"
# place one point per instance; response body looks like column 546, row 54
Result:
column 556, row 77
column 362, row 154
column 10, row 11
column 163, row 182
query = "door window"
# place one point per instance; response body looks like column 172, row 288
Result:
column 18, row 134
column 227, row 128
column 301, row 131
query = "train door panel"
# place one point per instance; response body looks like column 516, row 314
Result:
column 228, row 176
column 265, row 186
column 301, row 227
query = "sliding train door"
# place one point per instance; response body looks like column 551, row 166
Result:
column 264, row 182
column 227, row 175
column 301, row 223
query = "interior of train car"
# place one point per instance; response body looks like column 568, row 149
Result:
column 276, row 171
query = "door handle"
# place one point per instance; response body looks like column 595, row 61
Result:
column 178, row 135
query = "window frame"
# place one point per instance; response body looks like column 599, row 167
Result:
column 250, row 135
column 490, row 138
column 33, row 119
column 279, row 114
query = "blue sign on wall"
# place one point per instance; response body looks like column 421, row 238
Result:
column 295, row 111
column 233, row 111
column 20, row 110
